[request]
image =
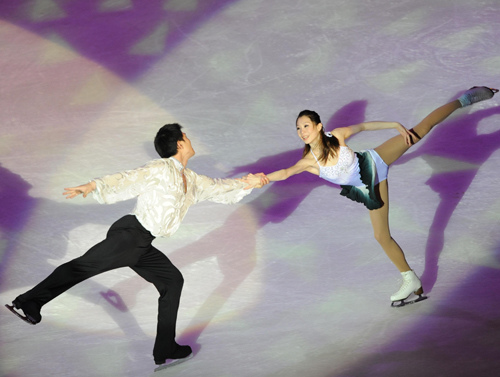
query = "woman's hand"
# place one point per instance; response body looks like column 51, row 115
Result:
column 405, row 133
column 263, row 179
column 85, row 189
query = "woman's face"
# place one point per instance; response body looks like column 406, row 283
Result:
column 307, row 130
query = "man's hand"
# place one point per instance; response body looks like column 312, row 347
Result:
column 85, row 189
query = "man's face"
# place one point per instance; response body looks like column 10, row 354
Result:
column 186, row 144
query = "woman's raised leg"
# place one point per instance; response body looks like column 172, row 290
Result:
column 395, row 147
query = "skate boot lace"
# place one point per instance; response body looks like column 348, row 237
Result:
column 403, row 287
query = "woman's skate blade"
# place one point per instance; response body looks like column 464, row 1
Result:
column 407, row 301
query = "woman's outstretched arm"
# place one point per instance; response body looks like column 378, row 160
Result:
column 344, row 133
column 281, row 175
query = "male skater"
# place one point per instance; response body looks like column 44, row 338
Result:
column 165, row 189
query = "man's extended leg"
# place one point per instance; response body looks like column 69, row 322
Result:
column 119, row 249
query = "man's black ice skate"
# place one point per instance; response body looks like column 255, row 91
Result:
column 30, row 310
column 183, row 353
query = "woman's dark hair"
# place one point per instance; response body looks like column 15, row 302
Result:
column 166, row 139
column 330, row 145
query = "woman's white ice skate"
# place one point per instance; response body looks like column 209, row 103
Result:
column 411, row 285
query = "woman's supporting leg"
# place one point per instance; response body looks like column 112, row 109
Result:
column 395, row 147
column 380, row 223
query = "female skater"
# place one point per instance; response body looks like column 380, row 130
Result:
column 363, row 176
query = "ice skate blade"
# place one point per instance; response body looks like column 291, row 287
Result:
column 173, row 362
column 401, row 303
column 487, row 87
column 25, row 319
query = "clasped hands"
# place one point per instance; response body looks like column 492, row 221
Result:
column 255, row 180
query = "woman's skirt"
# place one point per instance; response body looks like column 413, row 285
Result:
column 373, row 170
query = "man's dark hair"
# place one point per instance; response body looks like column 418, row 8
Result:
column 166, row 139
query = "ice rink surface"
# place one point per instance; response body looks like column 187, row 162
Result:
column 289, row 282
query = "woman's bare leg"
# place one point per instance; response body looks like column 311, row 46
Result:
column 395, row 147
column 390, row 151
column 380, row 223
